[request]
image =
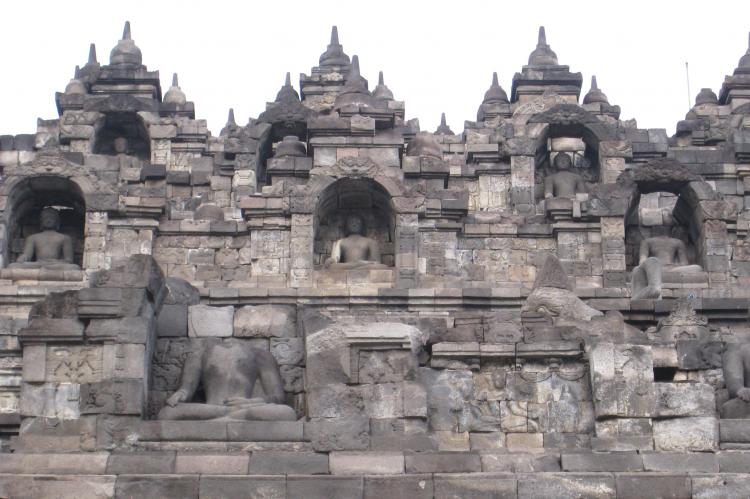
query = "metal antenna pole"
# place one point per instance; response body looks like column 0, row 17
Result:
column 687, row 77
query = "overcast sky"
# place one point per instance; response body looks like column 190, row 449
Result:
column 436, row 56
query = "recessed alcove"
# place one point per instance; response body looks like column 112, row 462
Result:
column 363, row 197
column 659, row 214
column 25, row 203
column 122, row 125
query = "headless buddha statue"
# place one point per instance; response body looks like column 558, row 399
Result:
column 228, row 370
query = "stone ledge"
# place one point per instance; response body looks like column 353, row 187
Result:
column 427, row 485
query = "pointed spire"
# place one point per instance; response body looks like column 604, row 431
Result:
column 230, row 118
column 443, row 129
column 542, row 54
column 287, row 92
column 175, row 95
column 495, row 94
column 92, row 54
column 542, row 38
column 75, row 85
column 355, row 65
column 595, row 95
column 382, row 91
column 126, row 51
column 334, row 36
column 334, row 54
column 744, row 64
column 355, row 83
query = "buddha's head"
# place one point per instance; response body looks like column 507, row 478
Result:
column 562, row 161
column 49, row 219
column 355, row 225
column 121, row 145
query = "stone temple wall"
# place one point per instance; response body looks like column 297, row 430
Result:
column 551, row 303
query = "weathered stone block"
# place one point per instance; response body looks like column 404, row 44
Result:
column 237, row 487
column 693, row 434
column 734, row 430
column 82, row 486
column 324, row 487
column 399, row 487
column 614, row 461
column 622, row 380
column 442, row 462
column 351, row 433
column 265, row 321
column 164, row 487
column 640, row 485
column 684, row 399
column 721, row 487
column 693, row 462
column 567, row 485
column 172, row 320
column 206, row 321
column 134, row 463
column 283, row 463
column 361, row 463
column 50, row 400
column 212, row 464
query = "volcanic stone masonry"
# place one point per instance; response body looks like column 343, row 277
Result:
column 329, row 302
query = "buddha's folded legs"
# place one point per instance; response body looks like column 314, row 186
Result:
column 188, row 411
column 249, row 412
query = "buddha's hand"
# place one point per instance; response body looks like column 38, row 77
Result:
column 744, row 394
column 176, row 398
column 237, row 401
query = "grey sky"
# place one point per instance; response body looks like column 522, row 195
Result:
column 436, row 56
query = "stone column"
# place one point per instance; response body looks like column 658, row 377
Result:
column 407, row 231
column 522, row 183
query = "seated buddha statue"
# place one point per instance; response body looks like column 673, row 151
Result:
column 228, row 370
column 657, row 255
column 355, row 250
column 563, row 183
column 49, row 248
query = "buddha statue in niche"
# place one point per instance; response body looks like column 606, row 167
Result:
column 737, row 377
column 563, row 183
column 657, row 255
column 355, row 250
column 228, row 370
column 120, row 145
column 49, row 248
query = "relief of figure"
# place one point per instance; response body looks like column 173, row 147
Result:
column 563, row 183
column 737, row 378
column 49, row 248
column 355, row 250
column 228, row 370
column 656, row 255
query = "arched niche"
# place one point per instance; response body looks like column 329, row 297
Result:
column 567, row 129
column 660, row 213
column 359, row 196
column 122, row 124
column 29, row 197
column 698, row 209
